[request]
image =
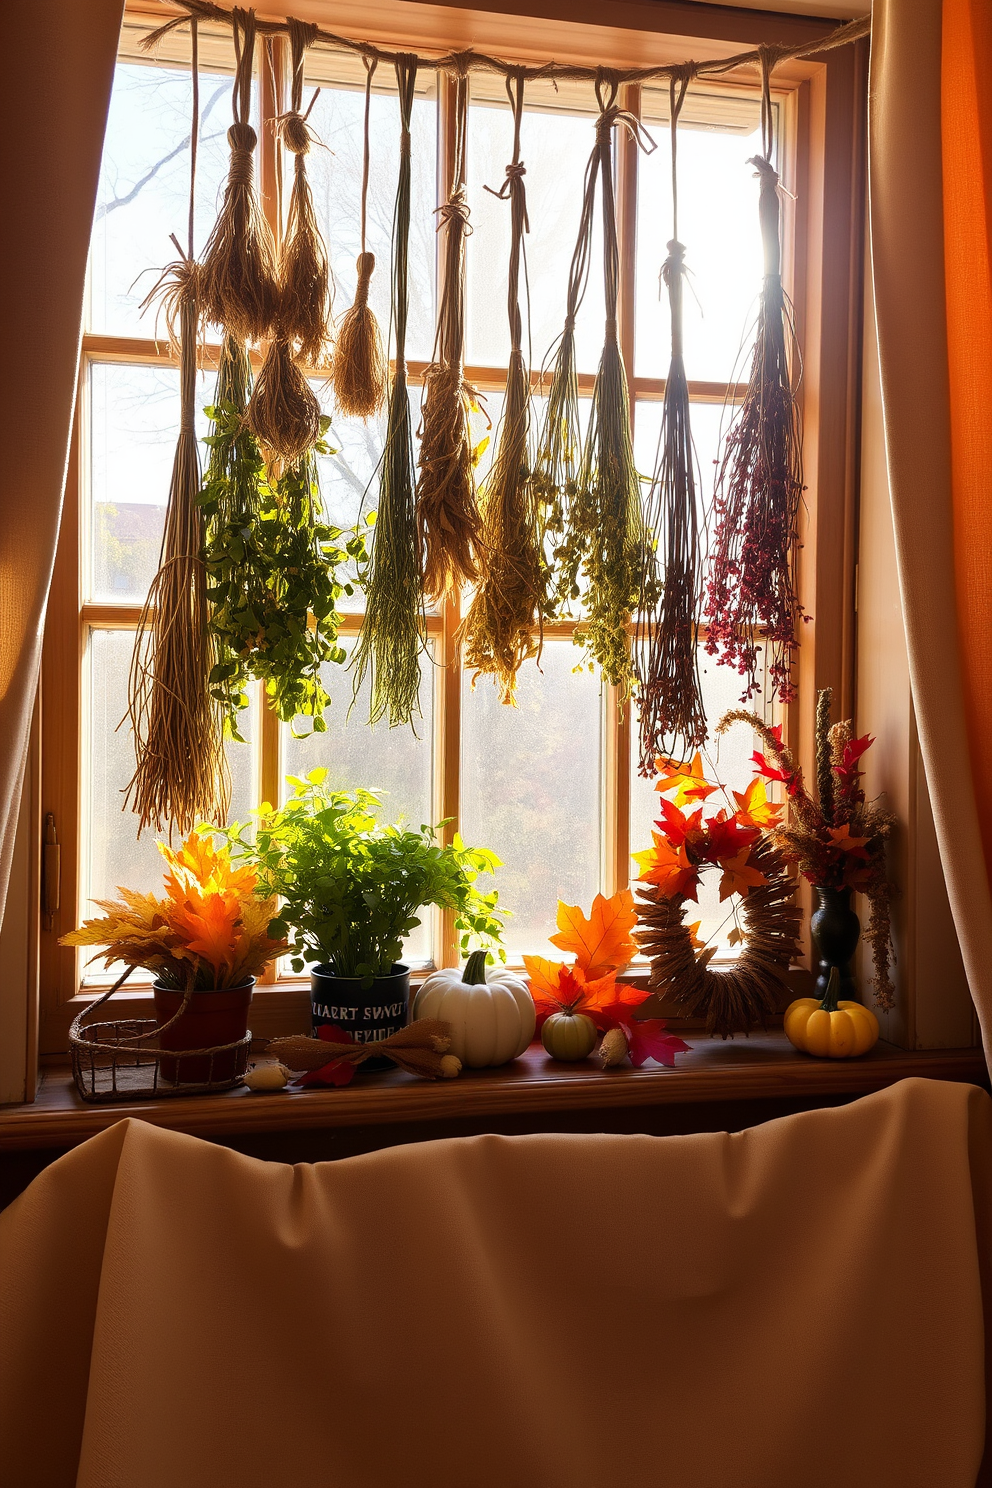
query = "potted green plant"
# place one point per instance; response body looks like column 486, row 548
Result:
column 351, row 890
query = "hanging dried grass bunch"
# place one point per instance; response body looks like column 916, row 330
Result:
column 669, row 694
column 751, row 592
column 504, row 624
column 360, row 372
column 306, row 288
column 447, row 502
column 284, row 413
column 240, row 281
column 393, row 633
column 181, row 774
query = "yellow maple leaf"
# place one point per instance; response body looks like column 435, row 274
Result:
column 738, row 878
column 688, row 781
column 754, row 808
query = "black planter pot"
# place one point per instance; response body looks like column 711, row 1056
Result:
column 367, row 1013
column 836, row 932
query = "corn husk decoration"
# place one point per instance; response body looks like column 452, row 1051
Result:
column 504, row 624
column 447, row 501
column 393, row 633
column 669, row 694
column 181, row 774
column 240, row 279
column 605, row 538
column 751, row 591
column 360, row 372
column 284, row 412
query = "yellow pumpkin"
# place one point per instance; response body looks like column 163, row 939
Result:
column 828, row 1028
column 569, row 1036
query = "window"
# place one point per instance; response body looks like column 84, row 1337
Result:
column 551, row 785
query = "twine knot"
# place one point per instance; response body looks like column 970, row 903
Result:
column 406, row 144
column 242, row 140
column 365, row 264
column 295, row 133
column 455, row 209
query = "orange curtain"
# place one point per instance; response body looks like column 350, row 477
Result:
column 58, row 70
column 930, row 158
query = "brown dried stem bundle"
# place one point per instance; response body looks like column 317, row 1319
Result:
column 240, row 280
column 393, row 633
column 504, row 624
column 284, row 413
column 751, row 592
column 669, row 693
column 306, row 287
column 360, row 372
column 181, row 774
column 447, row 501
column 746, row 994
column 419, row 1049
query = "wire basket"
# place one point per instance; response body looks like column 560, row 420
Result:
column 120, row 1060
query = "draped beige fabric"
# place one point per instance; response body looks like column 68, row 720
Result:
column 794, row 1306
column 930, row 91
column 58, row 63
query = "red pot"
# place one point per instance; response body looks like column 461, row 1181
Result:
column 211, row 1018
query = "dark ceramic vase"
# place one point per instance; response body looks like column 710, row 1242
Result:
column 367, row 1013
column 836, row 932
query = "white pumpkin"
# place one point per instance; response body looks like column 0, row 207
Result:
column 491, row 1013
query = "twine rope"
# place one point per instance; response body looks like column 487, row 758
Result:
column 370, row 66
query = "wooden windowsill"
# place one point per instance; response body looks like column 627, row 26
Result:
column 761, row 1067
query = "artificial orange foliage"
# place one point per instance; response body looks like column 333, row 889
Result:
column 687, row 780
column 602, row 942
column 754, row 808
column 209, row 931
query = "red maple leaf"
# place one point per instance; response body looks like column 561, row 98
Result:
column 727, row 837
column 339, row 1071
column 646, row 1039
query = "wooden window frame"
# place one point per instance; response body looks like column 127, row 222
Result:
column 821, row 122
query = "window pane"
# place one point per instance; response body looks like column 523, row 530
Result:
column 556, row 140
column 112, row 853
column 335, row 175
column 144, row 185
column 718, row 224
column 395, row 761
column 531, row 790
column 133, row 426
column 706, row 421
column 727, row 761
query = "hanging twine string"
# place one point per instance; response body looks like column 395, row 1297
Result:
column 360, row 373
column 751, row 593
column 447, row 502
column 665, row 645
column 181, row 775
column 504, row 626
column 393, row 632
column 240, row 279
column 606, row 542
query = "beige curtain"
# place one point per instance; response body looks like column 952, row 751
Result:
column 58, row 64
column 930, row 143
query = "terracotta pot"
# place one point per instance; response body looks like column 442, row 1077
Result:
column 367, row 1013
column 211, row 1018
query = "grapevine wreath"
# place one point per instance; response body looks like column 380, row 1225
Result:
column 736, row 998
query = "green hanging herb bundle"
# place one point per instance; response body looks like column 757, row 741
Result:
column 393, row 633
column 503, row 627
column 605, row 544
column 669, row 695
column 273, row 564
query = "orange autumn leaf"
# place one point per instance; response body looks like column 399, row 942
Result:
column 687, row 780
column 669, row 868
column 209, row 929
column 738, row 878
column 841, row 838
column 554, row 986
column 754, row 807
column 543, row 978
column 602, row 942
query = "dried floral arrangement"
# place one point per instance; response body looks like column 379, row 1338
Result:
column 754, row 876
column 209, row 931
column 835, row 837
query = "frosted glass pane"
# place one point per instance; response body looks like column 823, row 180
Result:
column 133, row 427
column 531, row 790
column 727, row 762
column 112, row 853
column 143, row 194
column 718, row 224
column 396, row 761
column 336, row 177
column 555, row 148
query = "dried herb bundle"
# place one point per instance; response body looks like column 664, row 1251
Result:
column 669, row 693
column 751, row 591
column 360, row 372
column 504, row 624
column 284, row 412
column 274, row 564
column 181, row 774
column 240, row 280
column 393, row 633
column 605, row 540
column 447, row 503
column 306, row 287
